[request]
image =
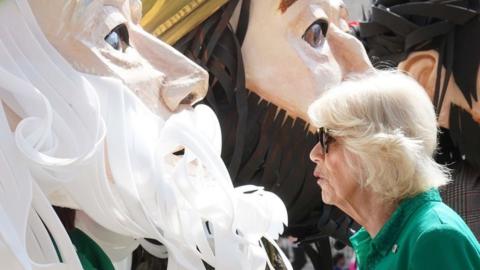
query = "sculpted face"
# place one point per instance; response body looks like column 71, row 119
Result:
column 287, row 55
column 90, row 144
column 103, row 38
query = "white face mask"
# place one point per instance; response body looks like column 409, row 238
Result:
column 91, row 144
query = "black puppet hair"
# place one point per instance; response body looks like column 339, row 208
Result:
column 396, row 28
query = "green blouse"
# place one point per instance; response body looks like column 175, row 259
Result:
column 90, row 254
column 422, row 233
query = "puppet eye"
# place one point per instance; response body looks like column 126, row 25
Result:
column 316, row 33
column 118, row 38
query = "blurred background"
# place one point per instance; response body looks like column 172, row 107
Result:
column 355, row 8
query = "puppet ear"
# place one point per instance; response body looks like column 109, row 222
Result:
column 422, row 66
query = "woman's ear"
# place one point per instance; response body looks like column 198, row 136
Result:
column 422, row 66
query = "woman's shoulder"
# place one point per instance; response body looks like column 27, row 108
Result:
column 445, row 245
column 436, row 217
column 436, row 223
column 440, row 237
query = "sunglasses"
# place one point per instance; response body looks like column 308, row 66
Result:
column 324, row 139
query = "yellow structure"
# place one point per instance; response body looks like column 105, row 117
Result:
column 171, row 20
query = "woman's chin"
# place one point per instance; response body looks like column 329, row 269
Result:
column 326, row 198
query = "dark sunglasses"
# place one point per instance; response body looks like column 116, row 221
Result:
column 324, row 139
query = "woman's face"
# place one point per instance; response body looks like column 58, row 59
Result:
column 336, row 180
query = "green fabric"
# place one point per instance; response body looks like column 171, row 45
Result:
column 422, row 233
column 90, row 254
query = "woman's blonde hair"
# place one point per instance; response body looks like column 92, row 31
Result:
column 388, row 126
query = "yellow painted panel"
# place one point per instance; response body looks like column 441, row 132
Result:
column 171, row 20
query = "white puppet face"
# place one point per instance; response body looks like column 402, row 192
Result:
column 287, row 56
column 102, row 38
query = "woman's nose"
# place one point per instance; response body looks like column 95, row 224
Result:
column 316, row 153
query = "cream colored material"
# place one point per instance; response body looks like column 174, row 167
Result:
column 101, row 145
column 78, row 29
column 284, row 69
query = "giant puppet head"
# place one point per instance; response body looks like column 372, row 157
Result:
column 103, row 38
column 96, row 114
column 437, row 43
column 292, row 51
column 287, row 56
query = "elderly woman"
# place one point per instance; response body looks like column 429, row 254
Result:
column 377, row 136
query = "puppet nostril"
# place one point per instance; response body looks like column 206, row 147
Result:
column 189, row 99
column 186, row 94
column 185, row 90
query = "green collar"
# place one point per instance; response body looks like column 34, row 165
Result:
column 388, row 235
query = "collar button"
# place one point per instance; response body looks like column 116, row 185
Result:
column 394, row 248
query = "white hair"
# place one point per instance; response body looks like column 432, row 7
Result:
column 388, row 128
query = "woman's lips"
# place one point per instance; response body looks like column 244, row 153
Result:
column 320, row 178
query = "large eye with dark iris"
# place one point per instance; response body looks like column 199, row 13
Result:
column 118, row 38
column 316, row 33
